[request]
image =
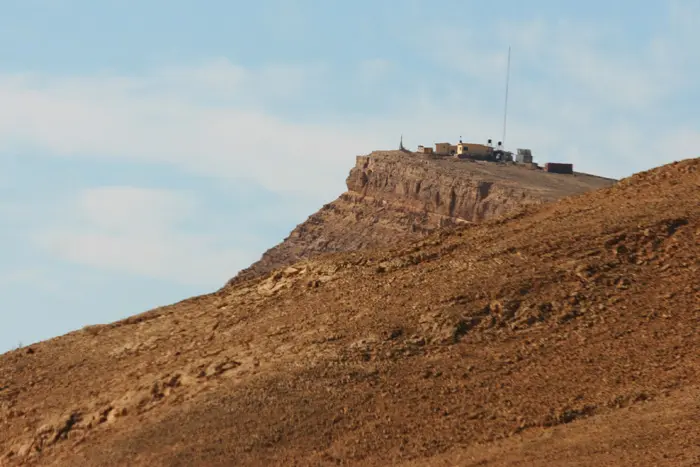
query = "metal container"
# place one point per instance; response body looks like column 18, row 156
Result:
column 559, row 168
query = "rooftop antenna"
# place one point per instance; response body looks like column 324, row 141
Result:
column 505, row 111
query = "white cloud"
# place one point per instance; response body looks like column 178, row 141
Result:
column 624, row 83
column 466, row 52
column 19, row 276
column 584, row 60
column 220, row 79
column 135, row 231
column 130, row 208
column 38, row 278
column 165, row 117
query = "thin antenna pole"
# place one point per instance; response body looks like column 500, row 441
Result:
column 505, row 111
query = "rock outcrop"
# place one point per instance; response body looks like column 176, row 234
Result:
column 395, row 196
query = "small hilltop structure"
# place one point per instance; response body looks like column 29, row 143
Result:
column 472, row 151
column 489, row 152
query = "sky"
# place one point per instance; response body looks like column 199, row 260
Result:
column 150, row 149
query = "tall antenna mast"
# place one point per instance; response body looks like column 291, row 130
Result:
column 505, row 111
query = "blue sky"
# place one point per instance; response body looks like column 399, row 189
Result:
column 151, row 149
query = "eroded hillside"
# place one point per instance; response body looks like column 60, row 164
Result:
column 395, row 196
column 566, row 334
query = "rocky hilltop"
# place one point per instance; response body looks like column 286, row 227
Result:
column 564, row 335
column 394, row 196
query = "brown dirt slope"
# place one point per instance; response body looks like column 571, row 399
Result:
column 395, row 196
column 565, row 335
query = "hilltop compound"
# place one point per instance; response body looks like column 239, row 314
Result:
column 490, row 153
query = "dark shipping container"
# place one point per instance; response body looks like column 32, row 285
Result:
column 558, row 168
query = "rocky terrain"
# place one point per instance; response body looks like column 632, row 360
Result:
column 561, row 334
column 396, row 196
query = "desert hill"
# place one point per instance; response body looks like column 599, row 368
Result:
column 398, row 196
column 561, row 334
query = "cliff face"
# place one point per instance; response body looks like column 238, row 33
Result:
column 448, row 189
column 394, row 196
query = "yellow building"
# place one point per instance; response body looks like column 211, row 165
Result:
column 443, row 149
column 475, row 150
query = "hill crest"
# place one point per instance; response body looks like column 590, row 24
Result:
column 398, row 196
